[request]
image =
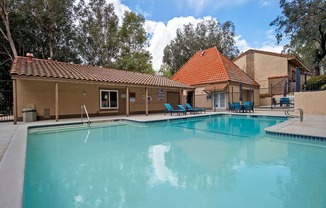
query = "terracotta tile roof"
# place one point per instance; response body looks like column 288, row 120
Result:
column 40, row 68
column 210, row 66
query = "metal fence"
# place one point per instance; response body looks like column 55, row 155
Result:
column 6, row 101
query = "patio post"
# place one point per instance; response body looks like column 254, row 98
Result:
column 14, row 84
column 181, row 97
column 146, row 101
column 56, row 101
column 127, row 101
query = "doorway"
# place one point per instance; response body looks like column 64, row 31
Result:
column 174, row 99
column 190, row 95
column 219, row 101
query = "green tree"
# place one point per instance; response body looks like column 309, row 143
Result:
column 205, row 34
column 98, row 35
column 6, row 37
column 165, row 71
column 133, row 44
column 304, row 23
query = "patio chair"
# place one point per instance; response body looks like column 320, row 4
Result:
column 195, row 109
column 237, row 107
column 169, row 109
column 248, row 106
column 274, row 103
column 231, row 107
column 285, row 101
column 252, row 106
column 182, row 109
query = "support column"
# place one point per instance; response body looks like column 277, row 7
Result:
column 14, row 84
column 56, row 101
column 127, row 101
column 146, row 101
column 181, row 97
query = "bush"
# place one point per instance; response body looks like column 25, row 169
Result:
column 316, row 83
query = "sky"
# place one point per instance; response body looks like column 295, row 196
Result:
column 163, row 17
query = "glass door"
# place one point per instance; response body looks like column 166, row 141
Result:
column 219, row 101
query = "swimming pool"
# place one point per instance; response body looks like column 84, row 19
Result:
column 217, row 161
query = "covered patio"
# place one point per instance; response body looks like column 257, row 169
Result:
column 58, row 90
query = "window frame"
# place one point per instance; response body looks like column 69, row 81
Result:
column 109, row 99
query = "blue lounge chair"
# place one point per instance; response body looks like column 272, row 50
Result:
column 169, row 109
column 246, row 106
column 195, row 109
column 237, row 107
column 182, row 109
column 231, row 107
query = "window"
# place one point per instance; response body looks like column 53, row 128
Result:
column 108, row 99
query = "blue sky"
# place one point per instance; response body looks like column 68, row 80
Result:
column 250, row 17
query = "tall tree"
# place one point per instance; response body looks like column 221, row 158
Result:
column 48, row 29
column 5, row 31
column 98, row 42
column 206, row 34
column 133, row 42
column 304, row 23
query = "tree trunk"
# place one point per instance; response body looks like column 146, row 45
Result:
column 7, row 36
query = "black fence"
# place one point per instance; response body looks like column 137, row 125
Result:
column 6, row 101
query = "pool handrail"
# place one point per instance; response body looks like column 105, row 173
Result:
column 287, row 113
column 83, row 107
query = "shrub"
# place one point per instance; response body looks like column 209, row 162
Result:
column 316, row 83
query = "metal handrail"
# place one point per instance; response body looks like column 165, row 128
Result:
column 83, row 107
column 287, row 113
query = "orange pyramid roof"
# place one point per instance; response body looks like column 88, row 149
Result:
column 210, row 66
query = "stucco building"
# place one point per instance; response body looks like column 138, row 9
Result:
column 272, row 71
column 216, row 80
column 58, row 90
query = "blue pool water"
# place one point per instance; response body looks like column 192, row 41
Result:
column 221, row 161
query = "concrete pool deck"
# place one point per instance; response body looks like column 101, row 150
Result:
column 13, row 144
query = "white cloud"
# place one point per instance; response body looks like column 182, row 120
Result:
column 266, row 2
column 242, row 44
column 268, row 45
column 161, row 34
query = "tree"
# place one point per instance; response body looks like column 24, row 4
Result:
column 205, row 34
column 303, row 22
column 133, row 44
column 5, row 29
column 165, row 71
column 45, row 28
column 98, row 41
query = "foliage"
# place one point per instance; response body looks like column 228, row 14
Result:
column 303, row 21
column 316, row 83
column 165, row 71
column 205, row 34
column 98, row 34
column 133, row 42
column 44, row 28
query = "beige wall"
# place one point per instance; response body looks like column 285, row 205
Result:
column 269, row 66
column 311, row 102
column 265, row 66
column 201, row 98
column 41, row 95
column 242, row 63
